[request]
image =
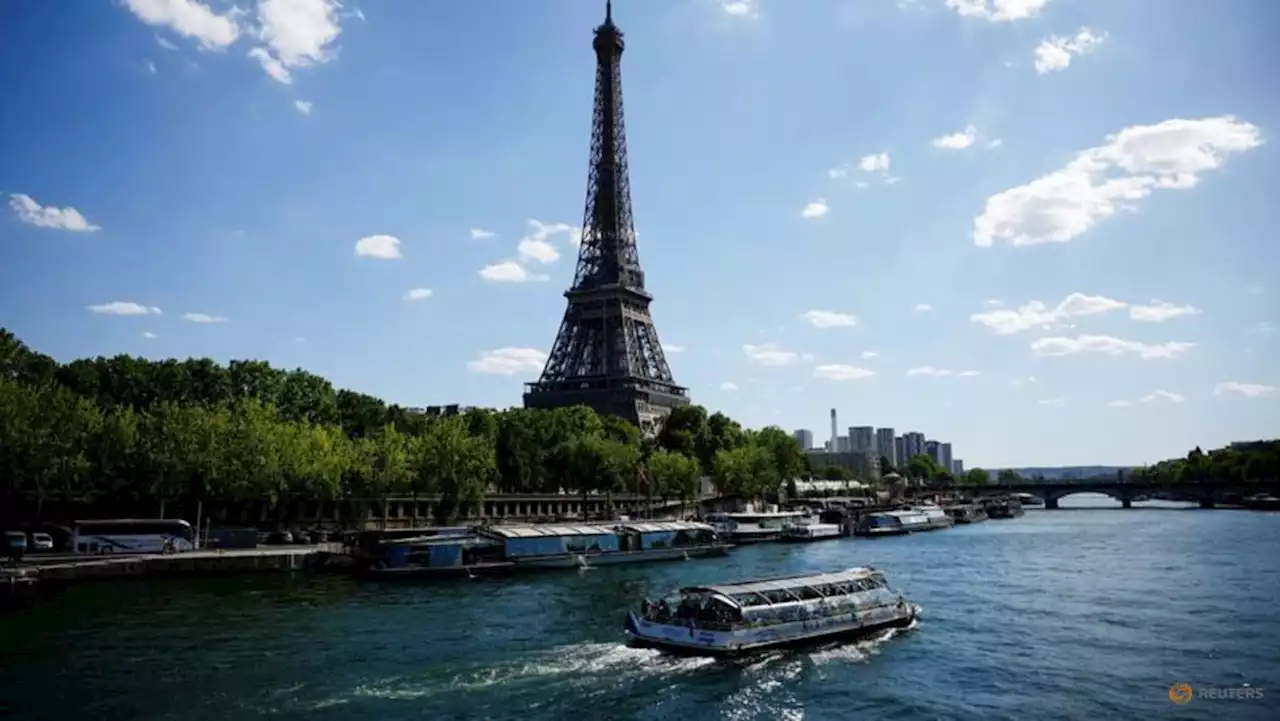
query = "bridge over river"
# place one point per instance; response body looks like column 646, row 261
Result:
column 1123, row 489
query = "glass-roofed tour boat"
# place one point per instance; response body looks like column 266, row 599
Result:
column 733, row 618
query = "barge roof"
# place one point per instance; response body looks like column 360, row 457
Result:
column 547, row 530
column 661, row 526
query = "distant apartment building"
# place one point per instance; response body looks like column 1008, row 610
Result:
column 864, row 466
column 899, row 452
column 944, row 456
column 804, row 438
column 448, row 411
column 884, row 445
column 862, row 439
column 957, row 467
column 913, row 444
column 933, row 450
column 842, row 444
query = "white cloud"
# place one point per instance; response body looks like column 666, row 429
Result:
column 149, row 335
column 1101, row 181
column 31, row 212
column 874, row 163
column 666, row 348
column 303, row 106
column 1055, row 53
column 204, row 318
column 1262, row 328
column 969, row 374
column 740, row 8
column 929, row 371
column 539, row 250
column 272, row 66
column 296, row 34
column 957, row 141
column 828, row 319
column 509, row 361
column 728, row 386
column 382, row 247
column 770, row 354
column 482, row 234
column 815, row 209
column 869, row 354
column 1119, row 404
column 151, row 68
column 1107, row 345
column 1051, row 401
column 838, row 172
column 1160, row 311
column 1016, row 382
column 995, row 143
column 997, row 11
column 1249, row 390
column 418, row 294
column 1159, row 395
column 1036, row 314
column 842, row 372
column 188, row 18
column 923, row 307
column 123, row 307
column 162, row 42
column 993, row 302
column 509, row 272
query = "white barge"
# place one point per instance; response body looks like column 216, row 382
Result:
column 735, row 618
column 754, row 526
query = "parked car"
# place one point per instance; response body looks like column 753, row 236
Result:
column 40, row 542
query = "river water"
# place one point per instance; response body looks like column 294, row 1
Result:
column 1071, row 614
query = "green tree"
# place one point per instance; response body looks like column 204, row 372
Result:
column 674, row 474
column 977, row 477
column 458, row 465
column 1008, row 476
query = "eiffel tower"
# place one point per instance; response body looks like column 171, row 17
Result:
column 606, row 354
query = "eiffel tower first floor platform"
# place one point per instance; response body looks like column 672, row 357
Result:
column 639, row 400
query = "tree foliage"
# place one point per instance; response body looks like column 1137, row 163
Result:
column 144, row 434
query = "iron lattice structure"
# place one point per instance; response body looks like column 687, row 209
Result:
column 606, row 354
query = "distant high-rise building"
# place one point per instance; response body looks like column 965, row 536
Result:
column 831, row 446
column 913, row 444
column 899, row 452
column 842, row 444
column 884, row 445
column 862, row 439
column 944, row 456
column 957, row 467
column 933, row 450
column 804, row 438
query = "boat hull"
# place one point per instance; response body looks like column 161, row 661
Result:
column 696, row 642
column 576, row 560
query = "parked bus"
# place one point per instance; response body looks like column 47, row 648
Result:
column 130, row 535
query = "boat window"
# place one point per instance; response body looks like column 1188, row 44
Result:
column 807, row 593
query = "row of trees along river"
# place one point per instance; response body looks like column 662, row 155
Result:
column 129, row 435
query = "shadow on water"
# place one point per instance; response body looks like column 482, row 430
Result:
column 1048, row 616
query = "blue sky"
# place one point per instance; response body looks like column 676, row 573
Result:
column 1080, row 192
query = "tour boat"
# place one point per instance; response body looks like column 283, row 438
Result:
column 746, row 616
column 1006, row 507
column 753, row 526
column 881, row 524
column 803, row 532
